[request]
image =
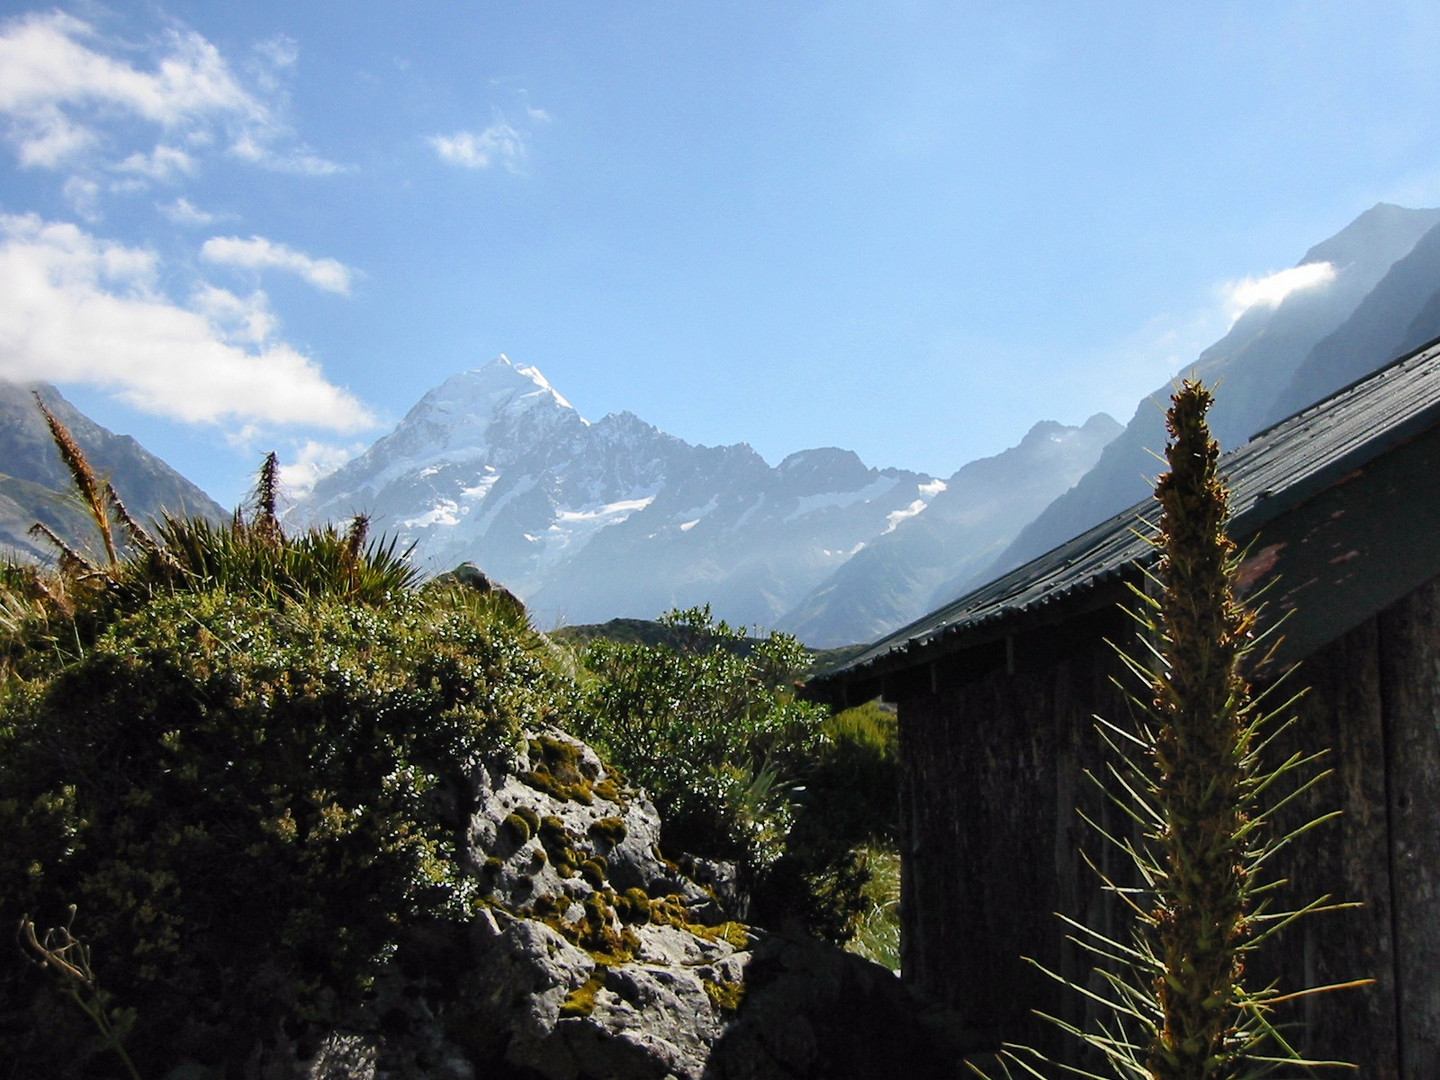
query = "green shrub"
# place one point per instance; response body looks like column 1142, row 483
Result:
column 718, row 739
column 708, row 723
column 249, row 801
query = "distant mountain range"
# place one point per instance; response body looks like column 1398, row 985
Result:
column 35, row 486
column 589, row 522
column 1383, row 299
column 616, row 519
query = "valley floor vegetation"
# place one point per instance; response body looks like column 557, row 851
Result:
column 232, row 765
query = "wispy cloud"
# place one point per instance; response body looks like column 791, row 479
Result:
column 78, row 308
column 70, row 99
column 1241, row 296
column 499, row 144
column 259, row 151
column 164, row 163
column 258, row 253
column 183, row 212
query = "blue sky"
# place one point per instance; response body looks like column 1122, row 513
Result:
column 911, row 229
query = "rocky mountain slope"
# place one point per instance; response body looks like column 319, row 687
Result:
column 1381, row 300
column 588, row 522
column 34, row 482
column 920, row 564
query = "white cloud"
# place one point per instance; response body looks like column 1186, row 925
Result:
column 164, row 163
column 312, row 461
column 241, row 321
column 67, row 99
column 48, row 140
column 47, row 72
column 498, row 142
column 257, row 253
column 1240, row 296
column 277, row 53
column 83, row 194
column 183, row 212
column 258, row 151
column 77, row 308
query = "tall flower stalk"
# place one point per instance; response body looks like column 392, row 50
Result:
column 1198, row 805
column 1204, row 768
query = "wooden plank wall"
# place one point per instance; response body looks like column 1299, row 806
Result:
column 992, row 769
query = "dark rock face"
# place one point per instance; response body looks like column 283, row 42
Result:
column 34, row 481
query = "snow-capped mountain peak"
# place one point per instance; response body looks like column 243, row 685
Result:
column 616, row 518
column 468, row 403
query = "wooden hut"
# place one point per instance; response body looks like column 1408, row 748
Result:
column 1339, row 507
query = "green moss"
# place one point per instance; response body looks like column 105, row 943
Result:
column 594, row 931
column 669, row 864
column 517, row 828
column 737, row 934
column 531, row 817
column 633, row 906
column 559, row 769
column 546, row 907
column 558, row 843
column 724, row 995
column 493, row 865
column 581, row 1000
column 593, row 871
column 671, row 911
column 610, row 791
column 609, row 830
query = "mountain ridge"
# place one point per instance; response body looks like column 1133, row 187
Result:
column 35, row 485
column 615, row 518
column 1265, row 351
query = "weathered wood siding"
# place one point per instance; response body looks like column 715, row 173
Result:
column 992, row 771
column 993, row 758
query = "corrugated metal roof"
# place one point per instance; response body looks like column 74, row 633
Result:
column 1278, row 469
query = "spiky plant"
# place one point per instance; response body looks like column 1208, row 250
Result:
column 252, row 555
column 88, row 487
column 266, row 497
column 1189, row 779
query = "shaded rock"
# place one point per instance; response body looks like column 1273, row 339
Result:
column 471, row 576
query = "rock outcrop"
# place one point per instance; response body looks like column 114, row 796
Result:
column 593, row 957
